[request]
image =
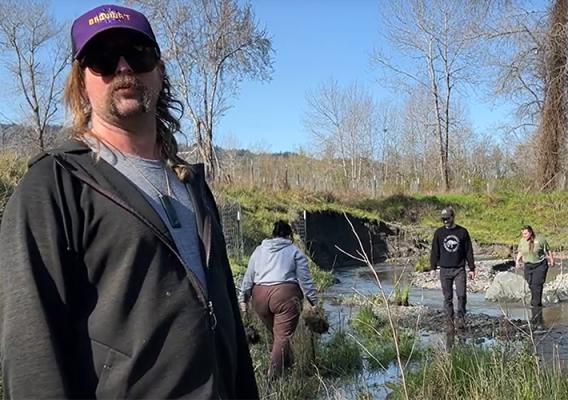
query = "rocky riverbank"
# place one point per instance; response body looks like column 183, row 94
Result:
column 484, row 274
column 500, row 282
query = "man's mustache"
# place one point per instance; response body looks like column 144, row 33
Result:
column 127, row 82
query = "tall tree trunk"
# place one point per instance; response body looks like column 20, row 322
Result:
column 209, row 158
column 552, row 129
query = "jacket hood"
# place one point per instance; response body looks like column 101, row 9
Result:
column 274, row 245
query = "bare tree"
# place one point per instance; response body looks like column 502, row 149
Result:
column 437, row 48
column 517, row 38
column 211, row 45
column 344, row 126
column 417, row 131
column 31, row 42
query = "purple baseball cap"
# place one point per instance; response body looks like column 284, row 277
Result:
column 106, row 17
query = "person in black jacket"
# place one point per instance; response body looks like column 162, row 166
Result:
column 114, row 277
column 451, row 249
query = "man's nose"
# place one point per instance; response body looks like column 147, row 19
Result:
column 123, row 67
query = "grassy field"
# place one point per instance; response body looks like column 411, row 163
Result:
column 490, row 218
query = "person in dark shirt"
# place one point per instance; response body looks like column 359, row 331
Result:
column 451, row 248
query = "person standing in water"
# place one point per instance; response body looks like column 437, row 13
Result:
column 535, row 253
column 451, row 249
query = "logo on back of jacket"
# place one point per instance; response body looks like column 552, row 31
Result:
column 451, row 244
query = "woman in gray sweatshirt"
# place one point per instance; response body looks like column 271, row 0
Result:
column 276, row 280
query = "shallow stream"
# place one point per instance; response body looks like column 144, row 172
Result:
column 552, row 344
column 362, row 280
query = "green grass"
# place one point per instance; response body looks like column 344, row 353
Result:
column 11, row 171
column 471, row 372
column 238, row 266
column 340, row 355
column 490, row 218
column 401, row 295
column 300, row 381
column 375, row 336
column 314, row 360
column 498, row 218
column 423, row 263
column 322, row 279
column 366, row 323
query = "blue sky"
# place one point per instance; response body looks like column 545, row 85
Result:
column 314, row 40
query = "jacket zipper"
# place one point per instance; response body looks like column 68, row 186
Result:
column 212, row 319
column 212, row 316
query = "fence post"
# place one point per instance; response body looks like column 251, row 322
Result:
column 305, row 230
column 239, row 234
column 374, row 186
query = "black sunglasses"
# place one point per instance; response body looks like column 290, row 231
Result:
column 103, row 61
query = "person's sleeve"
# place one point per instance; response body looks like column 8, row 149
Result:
column 34, row 327
column 469, row 252
column 248, row 280
column 305, row 277
column 435, row 252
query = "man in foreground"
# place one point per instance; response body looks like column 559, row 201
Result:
column 114, row 278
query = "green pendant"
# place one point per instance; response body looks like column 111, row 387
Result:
column 170, row 211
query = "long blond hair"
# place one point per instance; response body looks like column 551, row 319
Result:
column 167, row 123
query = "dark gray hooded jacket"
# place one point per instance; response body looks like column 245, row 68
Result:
column 95, row 301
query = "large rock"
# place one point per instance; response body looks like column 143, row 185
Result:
column 484, row 275
column 557, row 290
column 509, row 287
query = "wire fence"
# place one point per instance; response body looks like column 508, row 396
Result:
column 231, row 218
column 232, row 223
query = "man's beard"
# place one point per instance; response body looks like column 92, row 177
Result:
column 142, row 95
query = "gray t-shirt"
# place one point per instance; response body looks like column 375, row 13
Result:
column 150, row 177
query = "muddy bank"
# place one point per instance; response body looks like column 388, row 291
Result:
column 477, row 326
column 332, row 239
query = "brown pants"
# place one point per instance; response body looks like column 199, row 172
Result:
column 279, row 307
